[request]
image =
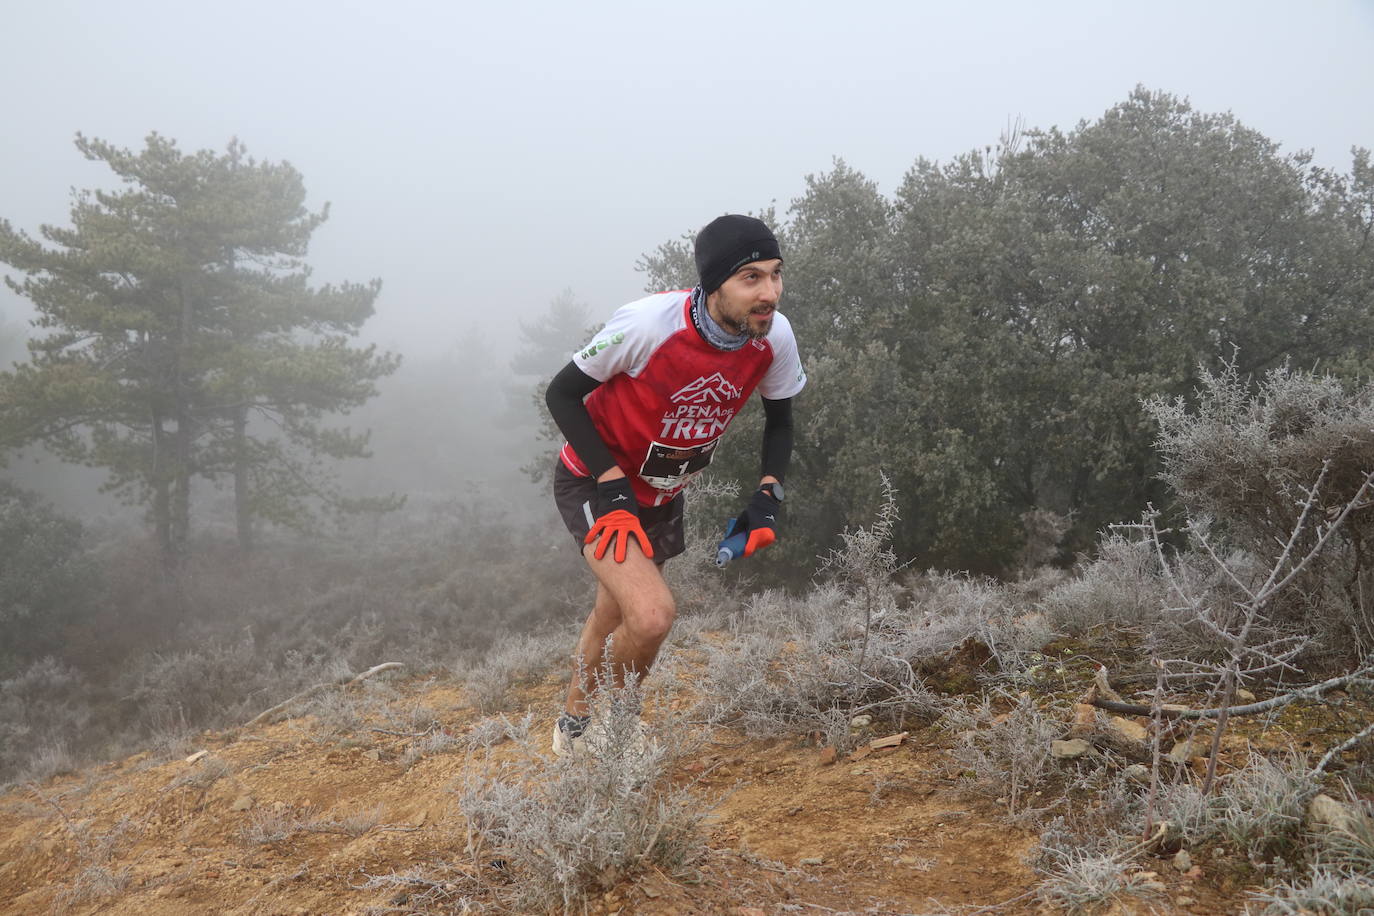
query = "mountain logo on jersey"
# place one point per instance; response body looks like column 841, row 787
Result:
column 712, row 388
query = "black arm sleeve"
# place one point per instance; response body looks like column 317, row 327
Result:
column 777, row 437
column 565, row 397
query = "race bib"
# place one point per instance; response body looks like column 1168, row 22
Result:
column 669, row 467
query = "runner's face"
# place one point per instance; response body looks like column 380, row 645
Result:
column 745, row 303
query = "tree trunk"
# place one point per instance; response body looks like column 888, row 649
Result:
column 242, row 510
column 162, row 522
column 181, row 490
column 162, row 499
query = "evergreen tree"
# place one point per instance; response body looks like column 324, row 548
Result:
column 184, row 340
column 986, row 337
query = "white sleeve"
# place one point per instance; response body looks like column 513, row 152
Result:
column 623, row 345
column 785, row 377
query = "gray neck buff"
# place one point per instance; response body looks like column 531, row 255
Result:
column 714, row 334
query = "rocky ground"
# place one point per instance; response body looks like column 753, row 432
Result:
column 299, row 815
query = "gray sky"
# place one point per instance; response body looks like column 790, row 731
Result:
column 481, row 157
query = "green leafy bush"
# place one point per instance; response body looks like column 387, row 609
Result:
column 45, row 576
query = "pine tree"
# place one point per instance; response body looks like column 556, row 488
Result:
column 185, row 341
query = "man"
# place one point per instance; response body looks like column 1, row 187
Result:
column 643, row 407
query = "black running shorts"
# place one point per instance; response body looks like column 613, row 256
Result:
column 576, row 498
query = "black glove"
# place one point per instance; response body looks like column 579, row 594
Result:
column 760, row 519
column 616, row 494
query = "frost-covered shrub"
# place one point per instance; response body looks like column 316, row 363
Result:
column 1121, row 585
column 515, row 659
column 794, row 666
column 565, row 828
column 1257, row 810
column 1004, row 755
column 1243, row 461
column 41, row 707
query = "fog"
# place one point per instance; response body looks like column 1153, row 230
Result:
column 481, row 158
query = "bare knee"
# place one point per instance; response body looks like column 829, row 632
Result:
column 650, row 622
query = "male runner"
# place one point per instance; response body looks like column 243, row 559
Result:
column 643, row 407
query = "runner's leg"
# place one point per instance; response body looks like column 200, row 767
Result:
column 635, row 608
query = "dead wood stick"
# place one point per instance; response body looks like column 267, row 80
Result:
column 1249, row 709
column 346, row 681
column 1340, row 749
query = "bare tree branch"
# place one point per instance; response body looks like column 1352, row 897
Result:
column 346, row 681
column 1358, row 678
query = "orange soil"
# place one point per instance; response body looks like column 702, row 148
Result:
column 890, row 833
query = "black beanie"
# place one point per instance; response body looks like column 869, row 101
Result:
column 727, row 244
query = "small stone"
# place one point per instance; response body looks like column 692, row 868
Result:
column 373, row 754
column 1187, row 749
column 1184, row 901
column 1084, row 719
column 1245, row 696
column 794, row 810
column 812, row 860
column 242, row 803
column 1137, row 772
column 1183, row 861
column 861, row 722
column 1326, row 816
column 197, row 756
column 1126, row 728
column 1070, row 749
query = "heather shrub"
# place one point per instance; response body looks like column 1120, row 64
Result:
column 1086, row 882
column 1340, row 878
column 157, row 658
column 1256, row 810
column 1121, row 585
column 1244, row 461
column 516, row 659
column 567, row 828
column 42, row 707
column 794, row 666
column 1004, row 755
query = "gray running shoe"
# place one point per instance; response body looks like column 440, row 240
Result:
column 569, row 734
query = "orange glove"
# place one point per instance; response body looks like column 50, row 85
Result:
column 618, row 526
column 617, row 520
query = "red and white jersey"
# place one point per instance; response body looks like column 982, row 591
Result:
column 667, row 395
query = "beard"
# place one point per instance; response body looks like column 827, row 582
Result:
column 742, row 325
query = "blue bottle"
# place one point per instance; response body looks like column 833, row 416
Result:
column 733, row 545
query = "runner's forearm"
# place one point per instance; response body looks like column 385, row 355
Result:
column 565, row 397
column 777, row 438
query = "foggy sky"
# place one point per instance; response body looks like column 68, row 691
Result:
column 480, row 158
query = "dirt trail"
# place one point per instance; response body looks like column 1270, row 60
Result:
column 890, row 833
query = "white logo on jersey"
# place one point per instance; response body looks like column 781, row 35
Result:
column 712, row 387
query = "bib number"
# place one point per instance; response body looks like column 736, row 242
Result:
column 669, row 467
